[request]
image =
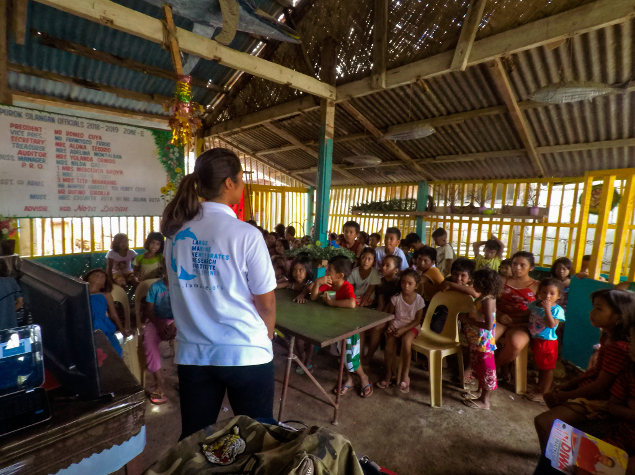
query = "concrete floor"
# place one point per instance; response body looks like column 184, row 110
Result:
column 398, row 431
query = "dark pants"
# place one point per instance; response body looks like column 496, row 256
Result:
column 249, row 389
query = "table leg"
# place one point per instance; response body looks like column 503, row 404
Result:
column 339, row 380
column 286, row 377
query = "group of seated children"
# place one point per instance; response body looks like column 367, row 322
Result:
column 127, row 268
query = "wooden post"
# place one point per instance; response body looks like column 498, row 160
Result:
column 5, row 93
column 325, row 148
column 310, row 203
column 422, row 205
column 18, row 20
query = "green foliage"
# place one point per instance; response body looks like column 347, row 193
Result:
column 406, row 204
column 320, row 253
column 170, row 156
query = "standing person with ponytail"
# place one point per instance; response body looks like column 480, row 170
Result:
column 221, row 289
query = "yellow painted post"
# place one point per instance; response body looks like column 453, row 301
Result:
column 583, row 223
column 545, row 229
column 572, row 220
column 606, row 201
column 624, row 216
column 283, row 208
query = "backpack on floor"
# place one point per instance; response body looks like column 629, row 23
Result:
column 244, row 446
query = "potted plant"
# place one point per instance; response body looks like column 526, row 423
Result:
column 7, row 232
column 320, row 255
column 532, row 199
column 480, row 197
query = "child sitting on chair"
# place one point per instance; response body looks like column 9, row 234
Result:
column 337, row 292
column 159, row 327
column 119, row 262
column 102, row 307
column 545, row 315
column 388, row 287
column 149, row 264
column 407, row 307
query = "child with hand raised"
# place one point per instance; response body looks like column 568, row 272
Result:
column 408, row 308
column 334, row 280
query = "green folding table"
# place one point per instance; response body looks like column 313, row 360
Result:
column 320, row 325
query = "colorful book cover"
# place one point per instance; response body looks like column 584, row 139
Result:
column 569, row 448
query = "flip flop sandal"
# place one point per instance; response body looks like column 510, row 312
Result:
column 299, row 370
column 533, row 398
column 471, row 404
column 404, row 387
column 369, row 386
column 383, row 384
column 470, row 395
column 158, row 398
column 343, row 389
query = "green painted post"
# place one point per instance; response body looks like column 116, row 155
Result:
column 422, row 204
column 325, row 162
column 310, row 202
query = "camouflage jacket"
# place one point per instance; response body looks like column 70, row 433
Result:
column 244, row 446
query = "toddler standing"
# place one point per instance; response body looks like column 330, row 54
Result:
column 480, row 326
column 545, row 314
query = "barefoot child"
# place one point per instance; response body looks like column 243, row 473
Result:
column 582, row 398
column 365, row 278
column 408, row 309
column 385, row 291
column 480, row 326
column 334, row 280
column 300, row 280
column 545, row 315
column 159, row 327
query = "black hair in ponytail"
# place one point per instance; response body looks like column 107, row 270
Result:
column 211, row 170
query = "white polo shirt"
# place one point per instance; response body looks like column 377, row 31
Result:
column 216, row 264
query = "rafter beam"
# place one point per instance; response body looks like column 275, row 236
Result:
column 589, row 17
column 293, row 174
column 468, row 34
column 290, row 138
column 18, row 20
column 85, row 107
column 394, row 148
column 123, row 93
column 81, row 50
column 502, row 83
column 138, row 24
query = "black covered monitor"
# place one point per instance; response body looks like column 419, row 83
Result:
column 60, row 305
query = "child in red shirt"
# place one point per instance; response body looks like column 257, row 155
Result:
column 334, row 280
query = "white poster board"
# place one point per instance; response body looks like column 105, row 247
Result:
column 57, row 166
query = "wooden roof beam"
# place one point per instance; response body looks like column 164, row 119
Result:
column 290, row 138
column 394, row 148
column 81, row 50
column 51, row 101
column 502, row 83
column 18, row 20
column 380, row 44
column 589, row 17
column 293, row 174
column 469, row 29
column 144, row 26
